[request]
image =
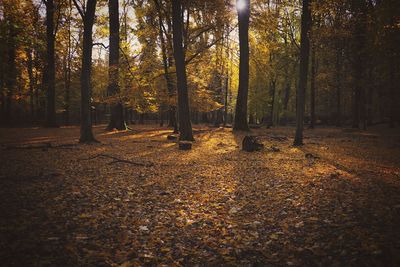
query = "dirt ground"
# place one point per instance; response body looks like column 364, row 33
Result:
column 135, row 199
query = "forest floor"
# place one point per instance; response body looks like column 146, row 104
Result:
column 135, row 199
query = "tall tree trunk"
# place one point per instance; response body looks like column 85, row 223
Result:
column 272, row 104
column 393, row 56
column 2, row 77
column 67, row 73
column 117, row 111
column 241, row 102
column 86, row 121
column 170, row 87
column 31, row 82
column 11, row 72
column 338, row 71
column 37, row 66
column 393, row 103
column 51, row 65
column 173, row 118
column 312, row 88
column 226, row 99
column 303, row 73
column 67, row 85
column 185, row 126
column 359, row 10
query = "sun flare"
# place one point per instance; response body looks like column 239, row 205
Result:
column 241, row 5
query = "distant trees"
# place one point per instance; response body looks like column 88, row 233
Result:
column 243, row 9
column 185, row 126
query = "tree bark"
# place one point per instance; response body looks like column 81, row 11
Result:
column 241, row 102
column 312, row 88
column 303, row 73
column 170, row 87
column 10, row 80
column 185, row 127
column 51, row 65
column 2, row 70
column 117, row 120
column 358, row 8
column 271, row 114
column 67, row 70
column 86, row 134
column 31, row 81
column 393, row 103
column 339, row 87
column 226, row 99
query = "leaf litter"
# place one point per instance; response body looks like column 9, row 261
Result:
column 328, row 203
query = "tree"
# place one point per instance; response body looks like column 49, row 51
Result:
column 303, row 73
column 67, row 64
column 88, row 14
column 185, row 126
column 117, row 113
column 312, row 88
column 10, row 79
column 241, row 102
column 359, row 9
column 50, row 64
column 167, row 60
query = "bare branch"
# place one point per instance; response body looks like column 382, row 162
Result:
column 101, row 44
column 207, row 47
column 79, row 9
column 118, row 160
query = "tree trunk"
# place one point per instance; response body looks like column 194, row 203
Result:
column 338, row 88
column 226, row 100
column 185, row 127
column 312, row 88
column 67, row 70
column 241, row 102
column 117, row 120
column 10, row 79
column 31, row 82
column 219, row 117
column 304, row 56
column 393, row 103
column 67, row 85
column 51, row 65
column 2, row 100
column 86, row 122
column 359, row 59
column 271, row 114
column 170, row 87
column 37, row 67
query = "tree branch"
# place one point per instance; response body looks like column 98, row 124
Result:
column 118, row 160
column 79, row 9
column 101, row 44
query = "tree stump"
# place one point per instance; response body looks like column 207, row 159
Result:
column 185, row 145
column 250, row 144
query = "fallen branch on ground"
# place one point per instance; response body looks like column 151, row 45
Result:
column 42, row 146
column 118, row 160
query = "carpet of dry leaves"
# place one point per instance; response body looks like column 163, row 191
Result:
column 135, row 199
